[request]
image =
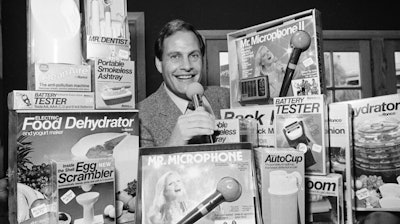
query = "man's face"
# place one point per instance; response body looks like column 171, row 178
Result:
column 181, row 62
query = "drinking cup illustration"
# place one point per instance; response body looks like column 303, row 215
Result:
column 283, row 192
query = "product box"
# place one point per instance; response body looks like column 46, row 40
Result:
column 236, row 130
column 206, row 183
column 228, row 131
column 324, row 196
column 85, row 190
column 301, row 122
column 376, row 126
column 263, row 114
column 341, row 152
column 282, row 57
column 60, row 77
column 26, row 100
column 36, row 135
column 53, row 32
column 280, row 175
column 106, row 33
column 114, row 84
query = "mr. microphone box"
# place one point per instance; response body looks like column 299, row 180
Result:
column 208, row 183
column 282, row 57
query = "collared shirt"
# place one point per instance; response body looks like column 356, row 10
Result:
column 182, row 103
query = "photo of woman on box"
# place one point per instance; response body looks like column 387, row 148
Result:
column 170, row 202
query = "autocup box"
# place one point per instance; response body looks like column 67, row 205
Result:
column 85, row 190
column 324, row 196
column 301, row 122
column 377, row 152
column 35, row 136
column 282, row 57
column 341, row 152
column 114, row 84
column 25, row 100
column 280, row 175
column 210, row 183
column 106, row 33
column 263, row 114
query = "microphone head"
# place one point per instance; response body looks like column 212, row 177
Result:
column 229, row 188
column 301, row 40
column 194, row 88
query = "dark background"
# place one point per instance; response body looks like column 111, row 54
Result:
column 205, row 15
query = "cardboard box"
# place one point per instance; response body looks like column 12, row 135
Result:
column 106, row 33
column 60, row 77
column 26, row 100
column 259, row 59
column 341, row 152
column 214, row 182
column 236, row 130
column 324, row 196
column 301, row 122
column 376, row 126
column 36, row 136
column 263, row 114
column 86, row 185
column 114, row 84
column 280, row 178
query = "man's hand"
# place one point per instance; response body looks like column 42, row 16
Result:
column 192, row 123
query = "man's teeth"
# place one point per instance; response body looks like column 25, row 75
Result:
column 184, row 76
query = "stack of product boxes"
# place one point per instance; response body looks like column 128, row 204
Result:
column 79, row 107
column 376, row 144
column 284, row 93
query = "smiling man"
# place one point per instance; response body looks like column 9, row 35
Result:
column 164, row 117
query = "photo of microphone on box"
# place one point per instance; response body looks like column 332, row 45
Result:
column 300, row 42
column 195, row 92
column 228, row 190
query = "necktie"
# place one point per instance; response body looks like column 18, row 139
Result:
column 190, row 106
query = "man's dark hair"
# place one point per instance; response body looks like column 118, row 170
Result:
column 169, row 29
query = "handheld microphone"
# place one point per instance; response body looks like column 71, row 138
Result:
column 195, row 92
column 300, row 42
column 228, row 190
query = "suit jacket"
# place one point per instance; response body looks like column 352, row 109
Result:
column 158, row 114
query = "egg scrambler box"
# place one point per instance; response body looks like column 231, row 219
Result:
column 85, row 189
column 341, row 152
column 264, row 116
column 35, row 135
column 376, row 125
column 324, row 199
column 26, row 100
column 301, row 122
column 106, row 33
column 114, row 84
column 60, row 77
column 280, row 178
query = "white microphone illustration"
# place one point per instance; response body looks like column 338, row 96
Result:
column 300, row 42
column 228, row 190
